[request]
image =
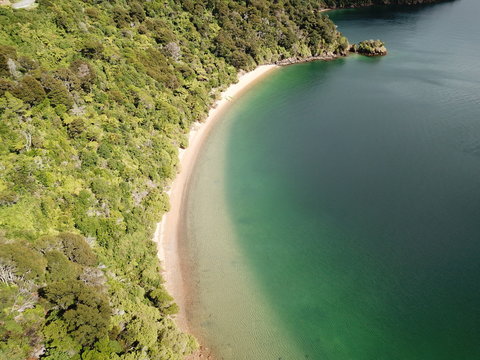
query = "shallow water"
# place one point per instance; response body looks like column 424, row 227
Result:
column 334, row 211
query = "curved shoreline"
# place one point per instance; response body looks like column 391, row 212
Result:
column 167, row 230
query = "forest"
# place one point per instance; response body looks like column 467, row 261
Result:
column 96, row 98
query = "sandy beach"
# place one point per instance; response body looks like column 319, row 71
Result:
column 167, row 231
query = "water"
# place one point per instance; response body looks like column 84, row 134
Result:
column 335, row 210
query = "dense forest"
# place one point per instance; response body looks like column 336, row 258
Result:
column 96, row 97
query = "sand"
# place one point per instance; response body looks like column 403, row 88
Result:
column 167, row 232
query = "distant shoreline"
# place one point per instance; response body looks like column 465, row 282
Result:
column 167, row 231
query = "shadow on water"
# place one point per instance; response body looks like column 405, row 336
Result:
column 386, row 12
column 356, row 198
column 392, row 18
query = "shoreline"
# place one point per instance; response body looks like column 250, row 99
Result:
column 166, row 234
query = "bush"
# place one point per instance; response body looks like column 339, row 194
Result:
column 84, row 73
column 371, row 48
column 8, row 197
column 137, row 12
column 83, row 309
column 163, row 301
column 89, row 159
column 92, row 49
column 29, row 90
column 121, row 17
column 68, row 78
column 57, row 93
column 26, row 64
column 6, row 53
column 77, row 250
column 59, row 268
column 92, row 12
column 6, row 85
column 28, row 263
column 76, row 127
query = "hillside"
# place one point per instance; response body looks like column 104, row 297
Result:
column 96, row 97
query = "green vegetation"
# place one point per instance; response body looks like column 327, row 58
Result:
column 96, row 97
column 370, row 48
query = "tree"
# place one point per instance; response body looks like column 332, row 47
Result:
column 77, row 250
column 6, row 85
column 76, row 127
column 163, row 301
column 8, row 197
column 6, row 53
column 29, row 90
column 28, row 264
column 84, row 73
column 92, row 49
column 172, row 49
column 83, row 309
column 57, row 92
column 103, row 349
column 137, row 12
column 60, row 268
column 7, row 273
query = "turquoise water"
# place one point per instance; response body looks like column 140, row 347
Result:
column 335, row 210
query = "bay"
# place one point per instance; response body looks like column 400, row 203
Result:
column 334, row 210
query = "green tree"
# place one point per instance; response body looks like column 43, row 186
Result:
column 84, row 311
column 29, row 90
column 28, row 264
column 60, row 268
column 77, row 250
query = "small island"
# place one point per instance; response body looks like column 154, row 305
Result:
column 370, row 48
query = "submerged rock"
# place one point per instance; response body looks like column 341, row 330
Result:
column 370, row 48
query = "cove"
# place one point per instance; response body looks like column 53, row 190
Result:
column 334, row 210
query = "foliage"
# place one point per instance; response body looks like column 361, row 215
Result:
column 371, row 48
column 29, row 90
column 76, row 249
column 27, row 263
column 82, row 310
column 59, row 268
